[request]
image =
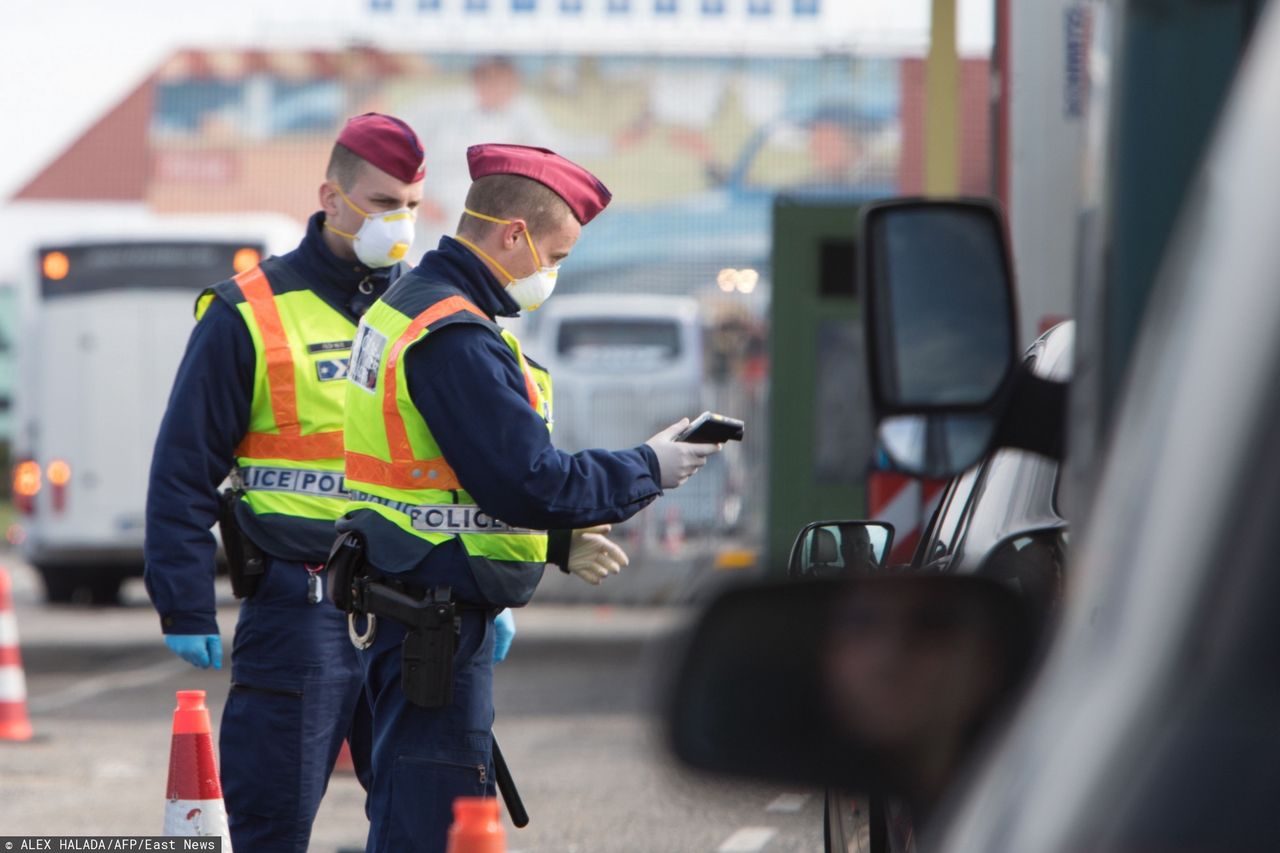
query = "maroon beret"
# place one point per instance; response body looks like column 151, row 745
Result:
column 387, row 143
column 580, row 189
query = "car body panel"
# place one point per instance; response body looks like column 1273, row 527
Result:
column 1010, row 492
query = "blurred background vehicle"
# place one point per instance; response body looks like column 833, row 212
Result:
column 105, row 308
column 628, row 365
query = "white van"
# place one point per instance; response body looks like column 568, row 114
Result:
column 623, row 367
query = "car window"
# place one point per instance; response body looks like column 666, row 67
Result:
column 947, row 517
column 1015, row 493
column 940, row 536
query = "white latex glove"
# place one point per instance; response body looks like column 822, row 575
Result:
column 679, row 460
column 592, row 557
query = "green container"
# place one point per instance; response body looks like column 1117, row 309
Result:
column 821, row 438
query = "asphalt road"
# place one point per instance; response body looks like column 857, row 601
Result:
column 574, row 719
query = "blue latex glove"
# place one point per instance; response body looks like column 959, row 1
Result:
column 201, row 650
column 504, row 625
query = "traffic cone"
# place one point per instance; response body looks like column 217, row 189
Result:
column 476, row 828
column 14, row 722
column 194, row 794
column 345, row 764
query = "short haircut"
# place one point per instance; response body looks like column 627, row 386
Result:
column 344, row 166
column 512, row 197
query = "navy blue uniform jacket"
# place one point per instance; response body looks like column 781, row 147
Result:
column 207, row 417
column 467, row 384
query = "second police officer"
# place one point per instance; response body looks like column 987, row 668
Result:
column 454, row 481
column 260, row 392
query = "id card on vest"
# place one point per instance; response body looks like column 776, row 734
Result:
column 366, row 355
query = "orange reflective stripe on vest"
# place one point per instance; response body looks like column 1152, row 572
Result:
column 414, row 474
column 403, row 470
column 397, row 437
column 300, row 448
column 289, row 442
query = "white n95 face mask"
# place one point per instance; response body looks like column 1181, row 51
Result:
column 383, row 239
column 532, row 290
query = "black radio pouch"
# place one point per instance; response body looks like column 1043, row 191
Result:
column 246, row 562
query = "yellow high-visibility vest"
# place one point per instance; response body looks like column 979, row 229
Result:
column 290, row 461
column 395, row 468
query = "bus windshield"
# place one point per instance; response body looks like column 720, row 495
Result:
column 182, row 264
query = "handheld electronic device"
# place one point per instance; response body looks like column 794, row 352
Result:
column 710, row 428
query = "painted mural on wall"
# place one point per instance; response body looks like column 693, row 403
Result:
column 693, row 149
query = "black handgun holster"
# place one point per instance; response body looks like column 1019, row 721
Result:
column 426, row 656
column 431, row 624
column 246, row 562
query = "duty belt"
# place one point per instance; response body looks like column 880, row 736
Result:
column 447, row 518
column 300, row 481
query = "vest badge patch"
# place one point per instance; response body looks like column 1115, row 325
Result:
column 329, row 369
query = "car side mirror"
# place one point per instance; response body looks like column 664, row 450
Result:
column 941, row 322
column 877, row 683
column 828, row 548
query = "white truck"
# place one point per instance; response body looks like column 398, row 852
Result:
column 105, row 300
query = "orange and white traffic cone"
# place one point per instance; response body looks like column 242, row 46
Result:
column 194, row 793
column 476, row 828
column 14, row 722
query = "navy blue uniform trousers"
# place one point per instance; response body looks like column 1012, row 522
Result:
column 296, row 693
column 425, row 757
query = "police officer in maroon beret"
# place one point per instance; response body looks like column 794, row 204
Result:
column 458, row 496
column 259, row 395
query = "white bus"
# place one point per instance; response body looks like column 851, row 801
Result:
column 106, row 313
